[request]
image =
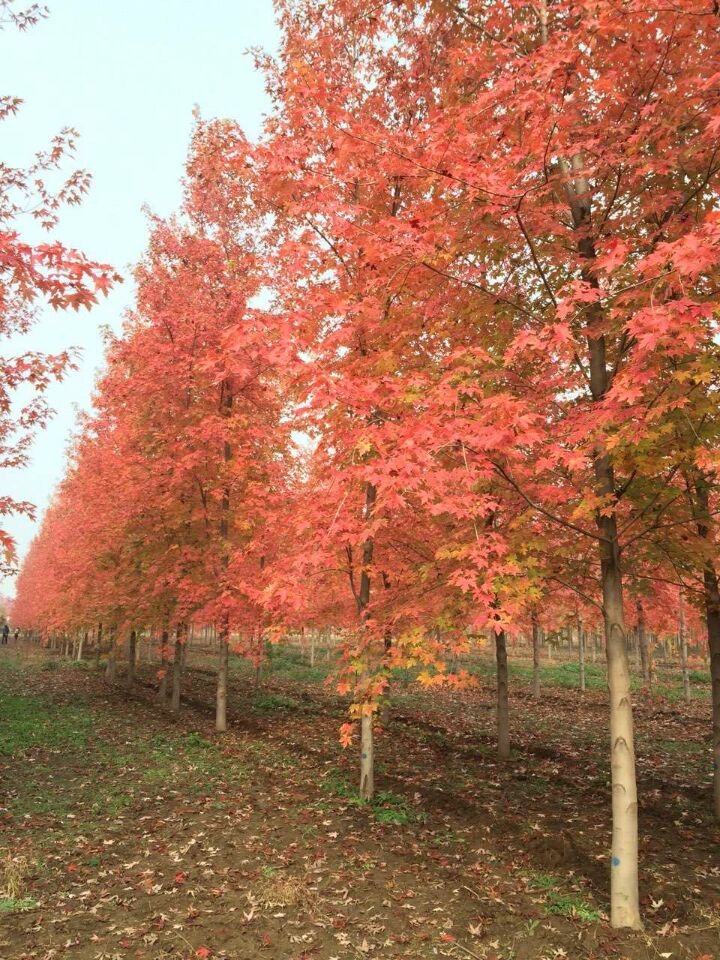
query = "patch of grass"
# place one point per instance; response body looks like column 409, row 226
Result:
column 572, row 906
column 14, row 905
column 272, row 755
column 27, row 722
column 12, row 664
column 289, row 663
column 544, row 881
column 392, row 808
column 386, row 807
column 561, row 904
column 561, row 674
column 194, row 741
column 111, row 803
column 675, row 693
column 536, row 785
column 83, row 665
column 276, row 703
column 680, row 746
column 446, row 837
column 336, row 784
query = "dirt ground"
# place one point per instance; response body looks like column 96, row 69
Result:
column 127, row 832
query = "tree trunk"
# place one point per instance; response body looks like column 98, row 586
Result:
column 177, row 672
column 624, row 893
column 162, row 686
column 536, row 656
column 367, row 753
column 712, row 619
column 711, row 591
column 367, row 767
column 226, row 405
column 98, row 645
column 110, row 668
column 81, row 643
column 222, row 683
column 131, row 654
column 503, row 706
column 642, row 644
column 581, row 653
column 682, row 643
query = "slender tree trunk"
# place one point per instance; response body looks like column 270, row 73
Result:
column 624, row 892
column 712, row 619
column 711, row 590
column 110, row 668
column 177, row 671
column 642, row 644
column 221, row 693
column 503, row 705
column 367, row 751
column 222, row 682
column 682, row 643
column 581, row 653
column 98, row 645
column 385, row 705
column 163, row 685
column 81, row 643
column 536, row 656
column 131, row 655
column 367, row 760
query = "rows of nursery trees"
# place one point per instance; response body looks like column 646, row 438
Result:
column 434, row 360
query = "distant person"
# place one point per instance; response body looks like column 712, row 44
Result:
column 5, row 634
column 16, row 635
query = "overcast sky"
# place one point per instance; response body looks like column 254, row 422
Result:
column 127, row 75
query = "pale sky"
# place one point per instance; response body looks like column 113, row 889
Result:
column 127, row 75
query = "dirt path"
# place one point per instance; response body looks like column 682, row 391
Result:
column 127, row 833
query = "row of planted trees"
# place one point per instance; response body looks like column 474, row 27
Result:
column 437, row 356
